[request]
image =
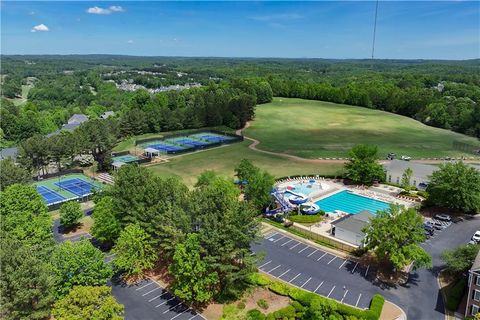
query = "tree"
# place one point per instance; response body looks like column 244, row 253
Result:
column 455, row 186
column 25, row 282
column 362, row 166
column 87, row 302
column 460, row 259
column 106, row 227
column 134, row 252
column 245, row 169
column 406, row 178
column 25, row 217
column 258, row 189
column 395, row 235
column 10, row 173
column 78, row 263
column 70, row 214
column 205, row 178
column 192, row 280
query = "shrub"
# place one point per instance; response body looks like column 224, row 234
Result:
column 285, row 313
column 255, row 314
column 376, row 307
column 454, row 294
column 70, row 214
column 259, row 279
column 279, row 288
column 241, row 305
column 302, row 296
column 306, row 218
column 262, row 303
column 423, row 194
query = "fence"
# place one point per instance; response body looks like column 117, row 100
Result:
column 466, row 147
column 321, row 238
column 59, row 173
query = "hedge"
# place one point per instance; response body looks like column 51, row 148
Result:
column 305, row 298
column 306, row 218
column 454, row 294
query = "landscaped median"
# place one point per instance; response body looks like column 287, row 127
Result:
column 310, row 305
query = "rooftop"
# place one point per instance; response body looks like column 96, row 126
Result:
column 354, row 222
column 476, row 263
column 419, row 169
column 78, row 118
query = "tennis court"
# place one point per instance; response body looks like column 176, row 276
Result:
column 164, row 147
column 76, row 186
column 212, row 137
column 189, row 142
column 65, row 188
column 125, row 158
column 50, row 196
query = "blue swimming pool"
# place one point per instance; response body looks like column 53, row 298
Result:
column 347, row 201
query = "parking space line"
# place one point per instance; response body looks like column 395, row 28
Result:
column 274, row 268
column 366, row 272
column 356, row 264
column 171, row 308
column 270, row 235
column 334, row 257
column 188, row 309
column 284, row 273
column 303, row 249
column 161, row 304
column 342, row 264
column 192, row 317
column 322, row 256
column 331, row 292
column 344, row 295
column 318, row 287
column 312, row 252
column 306, row 282
column 356, row 304
column 286, row 242
column 263, row 265
column 144, row 286
column 158, row 296
column 295, row 246
column 294, row 278
column 279, row 239
column 143, row 295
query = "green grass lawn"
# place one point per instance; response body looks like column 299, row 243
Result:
column 224, row 159
column 314, row 129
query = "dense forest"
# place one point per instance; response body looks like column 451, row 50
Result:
column 444, row 94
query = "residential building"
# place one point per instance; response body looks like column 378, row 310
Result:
column 420, row 172
column 77, row 118
column 349, row 228
column 9, row 153
column 107, row 114
column 473, row 294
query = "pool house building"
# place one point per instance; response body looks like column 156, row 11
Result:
column 349, row 228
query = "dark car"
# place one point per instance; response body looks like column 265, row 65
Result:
column 391, row 156
column 429, row 228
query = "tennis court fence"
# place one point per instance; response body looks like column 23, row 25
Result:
column 57, row 174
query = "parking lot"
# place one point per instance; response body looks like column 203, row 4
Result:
column 439, row 227
column 316, row 270
column 148, row 300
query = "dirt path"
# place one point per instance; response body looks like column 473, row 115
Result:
column 253, row 146
column 255, row 143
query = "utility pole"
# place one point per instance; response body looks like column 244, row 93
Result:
column 374, row 32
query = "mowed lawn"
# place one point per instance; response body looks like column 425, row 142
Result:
column 314, row 129
column 224, row 159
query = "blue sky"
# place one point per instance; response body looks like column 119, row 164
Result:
column 324, row 29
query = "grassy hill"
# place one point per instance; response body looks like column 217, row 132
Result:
column 314, row 129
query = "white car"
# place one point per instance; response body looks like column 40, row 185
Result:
column 443, row 217
column 406, row 158
column 476, row 236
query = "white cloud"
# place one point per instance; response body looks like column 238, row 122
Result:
column 130, row 41
column 40, row 27
column 116, row 9
column 109, row 10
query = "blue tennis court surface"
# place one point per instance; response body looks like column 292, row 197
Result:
column 49, row 196
column 126, row 158
column 76, row 186
column 164, row 147
column 349, row 202
column 186, row 141
column 214, row 138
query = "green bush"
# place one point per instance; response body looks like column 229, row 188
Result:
column 241, row 305
column 262, row 303
column 285, row 313
column 423, row 194
column 280, row 288
column 255, row 314
column 259, row 279
column 306, row 218
column 454, row 294
column 376, row 307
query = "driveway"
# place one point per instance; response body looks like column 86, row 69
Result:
column 339, row 279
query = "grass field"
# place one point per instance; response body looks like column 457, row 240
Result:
column 224, row 159
column 313, row 129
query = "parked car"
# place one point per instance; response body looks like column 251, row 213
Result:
column 429, row 228
column 443, row 217
column 476, row 236
column 438, row 225
column 405, row 158
column 391, row 156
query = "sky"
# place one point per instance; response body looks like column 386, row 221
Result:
column 322, row 29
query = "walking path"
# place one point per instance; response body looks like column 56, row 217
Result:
column 256, row 142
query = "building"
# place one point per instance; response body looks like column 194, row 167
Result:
column 8, row 153
column 420, row 172
column 349, row 228
column 473, row 294
column 77, row 118
column 107, row 114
